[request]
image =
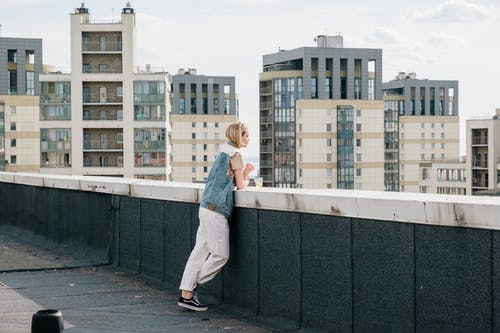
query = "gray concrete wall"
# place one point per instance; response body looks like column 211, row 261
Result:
column 289, row 268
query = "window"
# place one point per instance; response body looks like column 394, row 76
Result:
column 204, row 146
column 12, row 56
column 442, row 146
column 193, row 169
column 103, row 68
column 193, row 147
column 358, row 113
column 329, row 172
column 432, row 156
column 422, row 157
column 119, row 138
column 193, row 158
column 13, row 109
column 30, row 83
column 314, row 87
column 13, row 159
column 205, row 169
column 442, row 135
column 119, row 91
column 328, row 127
column 13, row 142
column 102, row 43
column 300, row 127
column 193, row 125
column 422, row 135
column 432, row 135
column 358, row 172
column 358, row 157
column 422, row 125
column 86, row 68
column 205, row 158
column 358, row 127
column 12, row 125
column 328, row 157
column 328, row 142
column 422, row 145
column 216, row 125
column 193, row 135
column 358, row 142
column 204, row 125
column 442, row 156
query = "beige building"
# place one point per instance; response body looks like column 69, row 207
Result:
column 340, row 144
column 21, row 135
column 443, row 177
column 483, row 153
column 108, row 117
column 202, row 108
column 427, row 114
column 425, row 138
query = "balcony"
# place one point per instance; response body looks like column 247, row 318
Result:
column 266, row 120
column 266, row 105
column 97, row 47
column 265, row 90
column 146, row 146
column 385, row 261
column 480, row 164
column 47, row 145
column 479, row 140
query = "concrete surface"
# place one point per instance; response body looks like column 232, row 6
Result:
column 94, row 299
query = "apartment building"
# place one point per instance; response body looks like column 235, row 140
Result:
column 202, row 108
column 108, row 116
column 447, row 177
column 327, row 81
column 19, row 103
column 483, row 154
column 427, row 115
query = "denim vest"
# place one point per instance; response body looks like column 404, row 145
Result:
column 218, row 192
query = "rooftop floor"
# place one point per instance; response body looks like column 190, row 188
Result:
column 93, row 299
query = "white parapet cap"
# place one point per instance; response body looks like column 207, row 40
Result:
column 420, row 208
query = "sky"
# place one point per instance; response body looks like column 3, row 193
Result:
column 439, row 40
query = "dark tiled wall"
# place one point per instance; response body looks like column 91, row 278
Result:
column 288, row 270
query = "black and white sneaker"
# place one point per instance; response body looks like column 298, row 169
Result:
column 191, row 304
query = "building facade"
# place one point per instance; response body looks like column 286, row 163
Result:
column 20, row 68
column 483, row 153
column 340, row 144
column 426, row 113
column 202, row 108
column 325, row 72
column 443, row 178
column 108, row 117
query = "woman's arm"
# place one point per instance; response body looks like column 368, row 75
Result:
column 238, row 179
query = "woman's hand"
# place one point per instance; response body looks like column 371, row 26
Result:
column 249, row 167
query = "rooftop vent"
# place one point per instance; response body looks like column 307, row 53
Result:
column 329, row 41
column 128, row 9
column 82, row 9
column 404, row 76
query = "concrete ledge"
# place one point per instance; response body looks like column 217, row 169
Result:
column 445, row 210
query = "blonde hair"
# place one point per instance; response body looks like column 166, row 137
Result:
column 235, row 131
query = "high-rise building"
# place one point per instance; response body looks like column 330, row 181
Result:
column 422, row 124
column 202, row 108
column 483, row 154
column 326, row 72
column 19, row 103
column 108, row 117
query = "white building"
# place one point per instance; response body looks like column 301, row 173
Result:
column 108, row 117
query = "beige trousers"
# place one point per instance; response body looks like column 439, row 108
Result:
column 210, row 252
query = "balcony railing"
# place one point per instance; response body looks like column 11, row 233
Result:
column 149, row 146
column 266, row 134
column 266, row 120
column 97, row 47
column 266, row 149
column 265, row 90
column 480, row 140
column 480, row 163
column 266, row 105
column 53, row 99
column 55, row 145
column 93, row 146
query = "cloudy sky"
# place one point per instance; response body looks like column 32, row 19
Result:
column 440, row 40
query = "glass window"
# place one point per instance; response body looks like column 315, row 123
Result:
column 30, row 83
column 314, row 87
column 13, row 159
column 328, row 127
column 13, row 142
column 103, row 68
column 12, row 125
